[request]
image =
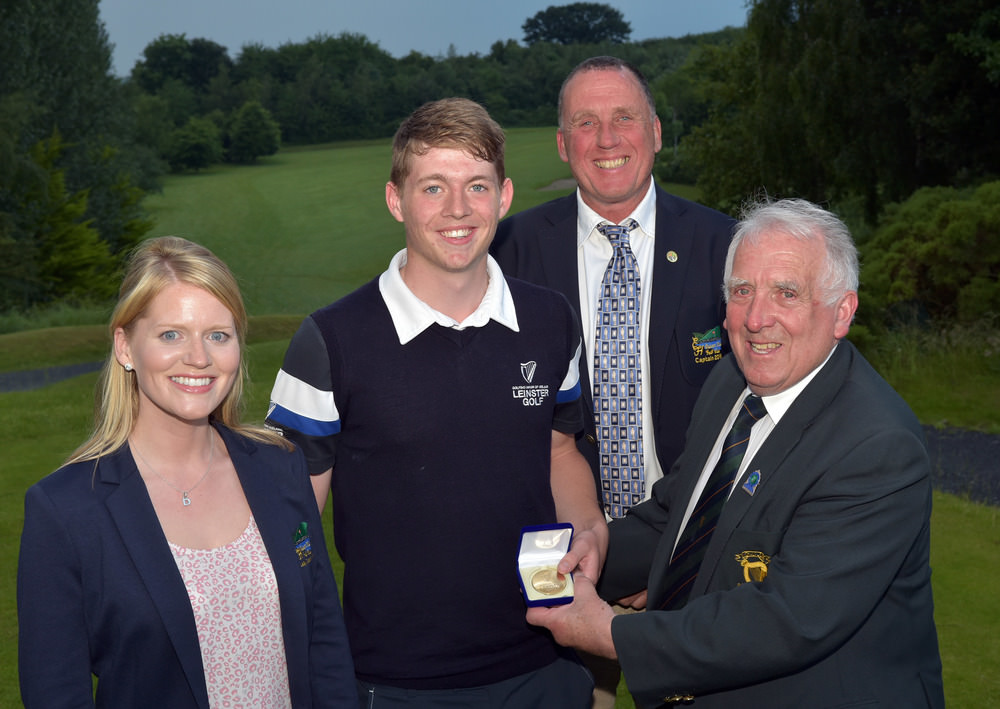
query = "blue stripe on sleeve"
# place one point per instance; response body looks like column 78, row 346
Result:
column 311, row 427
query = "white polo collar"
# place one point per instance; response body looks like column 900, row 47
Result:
column 411, row 316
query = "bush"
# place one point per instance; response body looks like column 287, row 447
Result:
column 937, row 256
column 254, row 133
column 195, row 146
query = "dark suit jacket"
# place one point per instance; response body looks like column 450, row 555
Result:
column 99, row 591
column 841, row 519
column 539, row 245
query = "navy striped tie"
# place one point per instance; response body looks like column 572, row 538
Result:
column 693, row 542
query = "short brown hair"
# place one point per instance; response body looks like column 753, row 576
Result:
column 606, row 63
column 448, row 123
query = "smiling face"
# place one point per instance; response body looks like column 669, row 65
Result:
column 185, row 352
column 450, row 204
column 610, row 137
column 780, row 325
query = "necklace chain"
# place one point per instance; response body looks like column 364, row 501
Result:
column 184, row 493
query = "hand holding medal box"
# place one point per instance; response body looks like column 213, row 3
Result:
column 542, row 547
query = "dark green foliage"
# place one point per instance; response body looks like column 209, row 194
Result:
column 254, row 133
column 69, row 172
column 52, row 252
column 195, row 146
column 577, row 23
column 851, row 99
column 346, row 87
column 936, row 255
column 171, row 57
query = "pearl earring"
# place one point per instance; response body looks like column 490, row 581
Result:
column 128, row 366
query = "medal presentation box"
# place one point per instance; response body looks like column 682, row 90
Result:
column 541, row 549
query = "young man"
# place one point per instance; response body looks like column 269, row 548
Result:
column 440, row 403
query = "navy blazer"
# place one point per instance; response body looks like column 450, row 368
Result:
column 540, row 245
column 837, row 526
column 99, row 592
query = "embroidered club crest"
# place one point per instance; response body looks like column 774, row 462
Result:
column 303, row 544
column 754, row 565
column 707, row 346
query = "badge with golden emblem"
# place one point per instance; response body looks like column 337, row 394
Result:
column 754, row 565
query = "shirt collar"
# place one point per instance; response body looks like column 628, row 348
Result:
column 645, row 213
column 411, row 316
column 779, row 403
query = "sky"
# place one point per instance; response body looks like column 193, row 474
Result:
column 430, row 27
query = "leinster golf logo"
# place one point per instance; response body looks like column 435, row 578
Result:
column 532, row 394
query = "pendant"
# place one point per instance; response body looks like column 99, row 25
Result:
column 187, row 500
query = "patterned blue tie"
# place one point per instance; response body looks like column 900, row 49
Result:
column 617, row 376
column 693, row 542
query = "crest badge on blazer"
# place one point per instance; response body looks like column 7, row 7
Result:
column 754, row 565
column 707, row 346
column 303, row 544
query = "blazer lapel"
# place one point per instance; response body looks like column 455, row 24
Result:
column 143, row 538
column 709, row 417
column 673, row 236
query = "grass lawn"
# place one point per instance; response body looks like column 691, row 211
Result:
column 305, row 227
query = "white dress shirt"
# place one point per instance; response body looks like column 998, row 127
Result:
column 777, row 405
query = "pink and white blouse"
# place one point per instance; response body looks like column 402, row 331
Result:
column 234, row 595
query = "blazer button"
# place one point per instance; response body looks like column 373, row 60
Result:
column 591, row 439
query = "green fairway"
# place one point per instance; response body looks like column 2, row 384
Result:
column 307, row 226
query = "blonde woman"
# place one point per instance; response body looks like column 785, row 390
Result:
column 178, row 555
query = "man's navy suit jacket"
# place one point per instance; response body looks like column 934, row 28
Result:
column 837, row 525
column 540, row 245
column 99, row 591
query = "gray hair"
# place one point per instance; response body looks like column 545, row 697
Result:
column 805, row 221
column 605, row 63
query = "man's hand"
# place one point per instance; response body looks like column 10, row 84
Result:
column 584, row 624
column 585, row 556
column 636, row 601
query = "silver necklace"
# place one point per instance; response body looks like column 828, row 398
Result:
column 184, row 493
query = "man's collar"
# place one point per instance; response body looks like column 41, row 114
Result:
column 411, row 316
column 779, row 403
column 645, row 213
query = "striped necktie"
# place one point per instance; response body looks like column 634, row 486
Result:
column 693, row 542
column 617, row 376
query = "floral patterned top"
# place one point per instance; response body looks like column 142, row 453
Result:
column 234, row 595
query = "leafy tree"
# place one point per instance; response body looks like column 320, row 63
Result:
column 56, row 81
column 850, row 99
column 195, row 146
column 58, row 253
column 254, row 133
column 73, row 261
column 193, row 62
column 577, row 23
column 937, row 254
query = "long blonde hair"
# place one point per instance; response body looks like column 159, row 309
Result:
column 152, row 266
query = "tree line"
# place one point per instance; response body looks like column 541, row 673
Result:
column 858, row 103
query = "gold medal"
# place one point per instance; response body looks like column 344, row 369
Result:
column 548, row 581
